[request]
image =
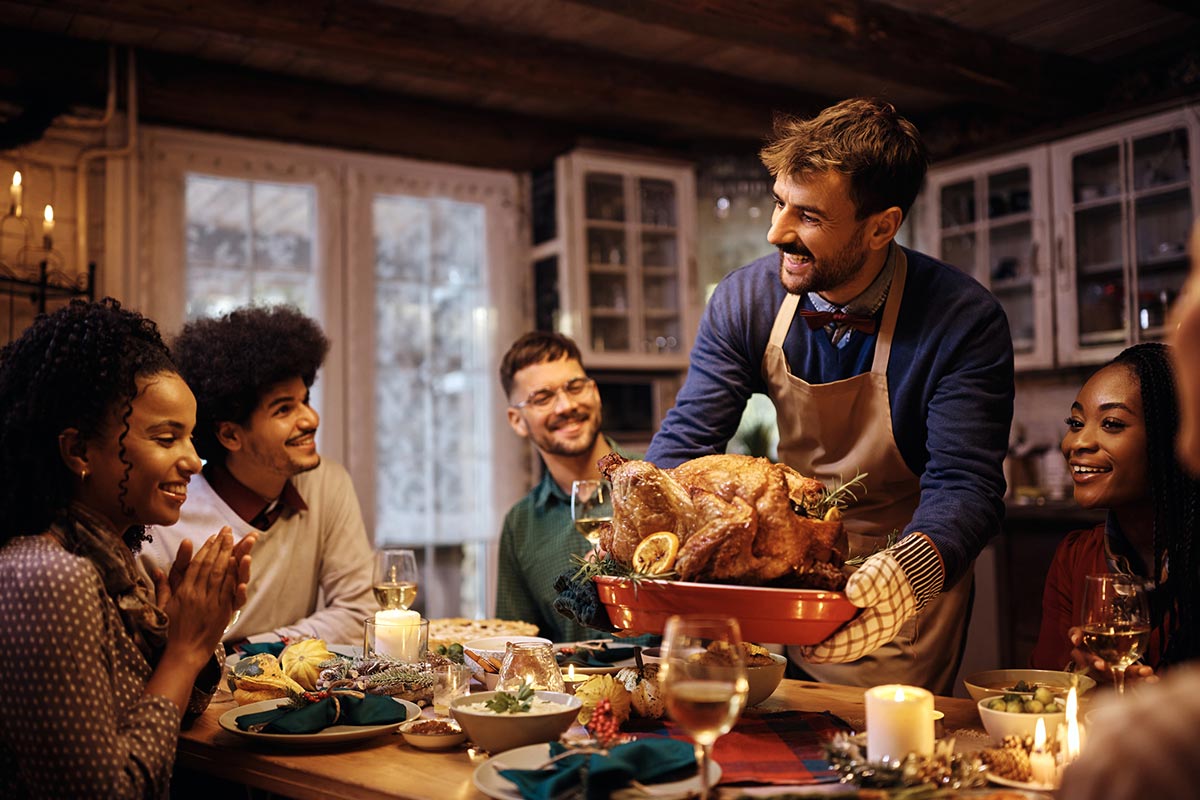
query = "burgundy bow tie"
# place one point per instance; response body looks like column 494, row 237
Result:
column 819, row 319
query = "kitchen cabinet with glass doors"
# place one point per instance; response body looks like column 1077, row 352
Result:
column 1124, row 205
column 990, row 218
column 617, row 264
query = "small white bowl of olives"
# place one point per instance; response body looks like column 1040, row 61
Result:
column 1017, row 714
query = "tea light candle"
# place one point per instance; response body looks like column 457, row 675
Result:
column 571, row 680
column 899, row 722
column 398, row 633
column 1042, row 768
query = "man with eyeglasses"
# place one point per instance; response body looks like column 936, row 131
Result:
column 555, row 405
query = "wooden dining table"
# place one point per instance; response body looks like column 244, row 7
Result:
column 387, row 767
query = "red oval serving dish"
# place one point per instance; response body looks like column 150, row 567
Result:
column 781, row 616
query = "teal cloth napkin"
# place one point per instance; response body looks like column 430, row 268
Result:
column 589, row 657
column 647, row 760
column 369, row 709
column 274, row 648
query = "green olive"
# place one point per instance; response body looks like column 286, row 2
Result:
column 1014, row 707
column 1052, row 708
column 996, row 705
column 1043, row 695
column 1034, row 707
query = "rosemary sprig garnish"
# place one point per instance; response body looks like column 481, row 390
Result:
column 607, row 565
column 837, row 497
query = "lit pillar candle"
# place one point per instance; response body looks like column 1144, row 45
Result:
column 1074, row 741
column 899, row 722
column 1042, row 768
column 15, row 193
column 398, row 634
column 48, row 226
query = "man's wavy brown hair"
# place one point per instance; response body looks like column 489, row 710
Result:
column 864, row 139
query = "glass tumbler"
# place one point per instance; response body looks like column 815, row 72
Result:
column 532, row 663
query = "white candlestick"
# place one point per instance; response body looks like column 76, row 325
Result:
column 48, row 226
column 398, row 634
column 1042, row 768
column 15, row 193
column 899, row 722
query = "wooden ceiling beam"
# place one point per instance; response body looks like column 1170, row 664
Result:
column 475, row 66
column 878, row 39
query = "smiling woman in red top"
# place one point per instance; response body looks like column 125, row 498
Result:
column 1119, row 445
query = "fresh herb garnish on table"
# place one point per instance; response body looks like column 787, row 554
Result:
column 506, row 703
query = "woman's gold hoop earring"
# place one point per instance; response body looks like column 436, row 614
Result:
column 83, row 473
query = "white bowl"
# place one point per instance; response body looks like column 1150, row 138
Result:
column 1004, row 723
column 499, row 732
column 432, row 741
column 999, row 681
column 764, row 680
column 493, row 647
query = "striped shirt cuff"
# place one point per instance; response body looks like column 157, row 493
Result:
column 922, row 565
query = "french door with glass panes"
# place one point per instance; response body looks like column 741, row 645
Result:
column 1124, row 205
column 991, row 219
column 410, row 268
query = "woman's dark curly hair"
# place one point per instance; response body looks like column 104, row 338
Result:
column 231, row 361
column 1174, row 496
column 74, row 368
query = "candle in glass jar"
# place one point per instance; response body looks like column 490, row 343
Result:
column 1042, row 768
column 899, row 722
column 398, row 633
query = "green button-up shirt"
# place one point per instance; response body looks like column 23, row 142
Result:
column 536, row 545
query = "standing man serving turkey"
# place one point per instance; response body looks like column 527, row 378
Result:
column 879, row 360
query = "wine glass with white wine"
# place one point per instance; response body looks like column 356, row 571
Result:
column 395, row 580
column 591, row 507
column 1116, row 621
column 704, row 679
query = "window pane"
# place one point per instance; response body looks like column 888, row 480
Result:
column 432, row 375
column 283, row 226
column 247, row 242
column 218, row 222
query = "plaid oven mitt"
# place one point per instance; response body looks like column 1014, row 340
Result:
column 890, row 587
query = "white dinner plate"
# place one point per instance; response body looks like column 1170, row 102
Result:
column 489, row 780
column 1027, row 785
column 334, row 734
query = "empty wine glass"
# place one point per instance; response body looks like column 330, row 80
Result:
column 704, row 679
column 1116, row 621
column 395, row 579
column 591, row 508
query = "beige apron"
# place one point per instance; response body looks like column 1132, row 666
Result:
column 833, row 431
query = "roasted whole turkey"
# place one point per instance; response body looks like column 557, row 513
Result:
column 739, row 520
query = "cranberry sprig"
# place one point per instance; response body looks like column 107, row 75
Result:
column 603, row 724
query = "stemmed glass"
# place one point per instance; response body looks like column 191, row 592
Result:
column 704, row 679
column 591, row 507
column 1116, row 621
column 395, row 578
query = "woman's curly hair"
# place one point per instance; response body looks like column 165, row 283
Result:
column 231, row 361
column 75, row 368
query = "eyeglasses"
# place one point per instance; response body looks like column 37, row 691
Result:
column 542, row 398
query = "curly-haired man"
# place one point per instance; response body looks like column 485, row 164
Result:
column 251, row 371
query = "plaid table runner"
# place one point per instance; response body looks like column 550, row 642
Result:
column 784, row 747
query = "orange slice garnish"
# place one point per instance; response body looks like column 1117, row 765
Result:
column 656, row 553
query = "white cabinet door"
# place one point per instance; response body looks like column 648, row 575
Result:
column 991, row 219
column 626, row 281
column 1124, row 204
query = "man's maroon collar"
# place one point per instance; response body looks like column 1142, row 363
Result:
column 247, row 503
